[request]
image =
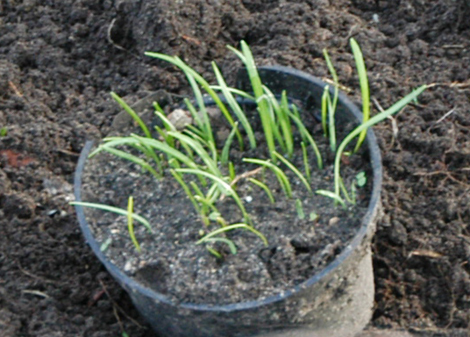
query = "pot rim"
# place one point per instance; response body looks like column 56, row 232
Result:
column 130, row 283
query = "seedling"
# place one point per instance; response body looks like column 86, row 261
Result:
column 204, row 168
column 300, row 209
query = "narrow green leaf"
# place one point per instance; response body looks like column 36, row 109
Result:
column 130, row 223
column 202, row 82
column 364, row 83
column 295, row 170
column 280, row 175
column 223, row 186
column 113, row 209
column 305, row 158
column 235, row 106
column 132, row 113
column 229, row 243
column 264, row 187
column 228, row 143
column 300, row 210
column 232, row 227
column 306, row 136
column 333, row 196
column 263, row 109
column 371, row 122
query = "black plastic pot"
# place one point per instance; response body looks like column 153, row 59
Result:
column 337, row 301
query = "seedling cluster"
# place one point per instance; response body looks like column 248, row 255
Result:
column 204, row 168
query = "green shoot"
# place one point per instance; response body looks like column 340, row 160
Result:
column 196, row 146
column 130, row 223
column 306, row 136
column 206, row 125
column 105, row 244
column 228, row 143
column 361, row 179
column 214, row 252
column 235, row 91
column 295, row 170
column 232, row 227
column 3, row 131
column 332, row 105
column 202, row 82
column 300, row 209
column 280, row 175
column 324, row 109
column 305, row 158
column 278, row 118
column 264, row 187
column 286, row 125
column 216, row 216
column 364, row 83
column 353, row 193
column 223, row 186
column 207, row 204
column 188, row 192
column 231, row 170
column 263, row 108
column 132, row 113
column 333, row 196
column 371, row 122
column 113, row 209
column 313, row 216
column 235, row 106
column 136, row 160
column 229, row 243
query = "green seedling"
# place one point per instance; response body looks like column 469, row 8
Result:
column 305, row 159
column 130, row 223
column 230, row 228
column 112, row 209
column 306, row 136
column 361, row 179
column 330, row 105
column 263, row 107
column 313, row 216
column 364, row 83
column 280, row 175
column 228, row 143
column 300, row 210
column 229, row 243
column 224, row 188
column 264, row 187
column 336, row 197
column 202, row 82
column 3, row 131
column 235, row 107
column 205, row 169
column 365, row 126
column 105, row 244
column 132, row 113
column 294, row 169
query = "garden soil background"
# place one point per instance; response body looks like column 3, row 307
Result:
column 60, row 59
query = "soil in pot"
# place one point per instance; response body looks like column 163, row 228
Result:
column 172, row 264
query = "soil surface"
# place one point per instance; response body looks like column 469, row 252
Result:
column 60, row 60
column 170, row 262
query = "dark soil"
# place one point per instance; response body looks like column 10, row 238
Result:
column 61, row 59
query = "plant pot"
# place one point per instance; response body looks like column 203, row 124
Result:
column 336, row 301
